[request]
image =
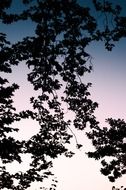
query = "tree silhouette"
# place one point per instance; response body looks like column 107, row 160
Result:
column 57, row 62
column 110, row 142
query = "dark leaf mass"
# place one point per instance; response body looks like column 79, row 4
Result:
column 57, row 62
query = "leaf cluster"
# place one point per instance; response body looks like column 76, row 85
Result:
column 57, row 61
column 110, row 142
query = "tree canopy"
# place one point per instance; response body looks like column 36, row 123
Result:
column 57, row 62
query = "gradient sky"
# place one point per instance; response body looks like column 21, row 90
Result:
column 108, row 89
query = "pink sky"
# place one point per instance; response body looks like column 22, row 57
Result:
column 109, row 91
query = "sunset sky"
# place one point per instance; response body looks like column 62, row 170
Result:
column 108, row 89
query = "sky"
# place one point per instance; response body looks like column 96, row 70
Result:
column 108, row 89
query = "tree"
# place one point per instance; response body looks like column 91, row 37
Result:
column 57, row 60
column 113, row 188
column 110, row 142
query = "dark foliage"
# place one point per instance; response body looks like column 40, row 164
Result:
column 110, row 142
column 57, row 61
